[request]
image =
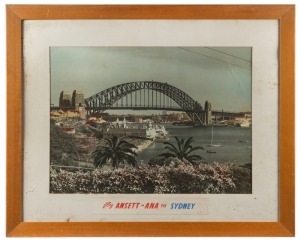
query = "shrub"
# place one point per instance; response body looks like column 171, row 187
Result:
column 204, row 178
column 62, row 147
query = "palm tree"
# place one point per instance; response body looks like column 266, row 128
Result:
column 117, row 150
column 183, row 150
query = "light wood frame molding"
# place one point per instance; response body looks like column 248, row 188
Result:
column 285, row 14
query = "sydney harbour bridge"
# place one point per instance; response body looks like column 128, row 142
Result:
column 142, row 95
column 148, row 95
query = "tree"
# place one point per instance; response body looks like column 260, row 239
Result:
column 183, row 150
column 62, row 147
column 156, row 118
column 116, row 150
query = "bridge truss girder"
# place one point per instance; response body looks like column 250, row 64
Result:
column 105, row 99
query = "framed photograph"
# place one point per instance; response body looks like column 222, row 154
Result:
column 137, row 120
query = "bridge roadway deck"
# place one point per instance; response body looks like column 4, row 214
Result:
column 214, row 112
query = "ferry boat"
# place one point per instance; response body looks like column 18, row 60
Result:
column 156, row 132
column 245, row 123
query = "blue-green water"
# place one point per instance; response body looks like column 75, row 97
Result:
column 235, row 143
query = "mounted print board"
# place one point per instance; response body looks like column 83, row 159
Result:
column 123, row 123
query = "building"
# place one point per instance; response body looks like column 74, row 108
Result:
column 138, row 119
column 98, row 120
column 59, row 115
column 68, row 130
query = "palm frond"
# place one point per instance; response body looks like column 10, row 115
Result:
column 124, row 143
column 182, row 150
column 173, row 150
column 179, row 143
column 189, row 140
column 132, row 152
column 187, row 144
column 116, row 149
column 194, row 157
column 169, row 146
column 99, row 162
column 130, row 160
column 194, row 149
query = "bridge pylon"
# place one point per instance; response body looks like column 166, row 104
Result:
column 201, row 116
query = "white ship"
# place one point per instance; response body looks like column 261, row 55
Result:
column 246, row 123
column 156, row 132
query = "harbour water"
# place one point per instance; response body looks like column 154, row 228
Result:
column 235, row 143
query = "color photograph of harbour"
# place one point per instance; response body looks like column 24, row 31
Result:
column 186, row 129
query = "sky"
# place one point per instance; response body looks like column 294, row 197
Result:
column 221, row 75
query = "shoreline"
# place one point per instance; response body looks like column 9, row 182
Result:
column 145, row 144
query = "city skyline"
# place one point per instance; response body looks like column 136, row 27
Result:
column 219, row 75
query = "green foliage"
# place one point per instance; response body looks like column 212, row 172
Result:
column 63, row 147
column 156, row 118
column 244, row 174
column 183, row 150
column 204, row 178
column 116, row 150
column 85, row 130
column 164, row 161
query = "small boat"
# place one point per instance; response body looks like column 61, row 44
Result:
column 245, row 123
column 210, row 151
column 212, row 138
column 214, row 145
column 243, row 141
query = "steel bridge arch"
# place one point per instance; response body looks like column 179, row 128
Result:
column 105, row 99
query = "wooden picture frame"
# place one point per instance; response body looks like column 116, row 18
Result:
column 285, row 226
